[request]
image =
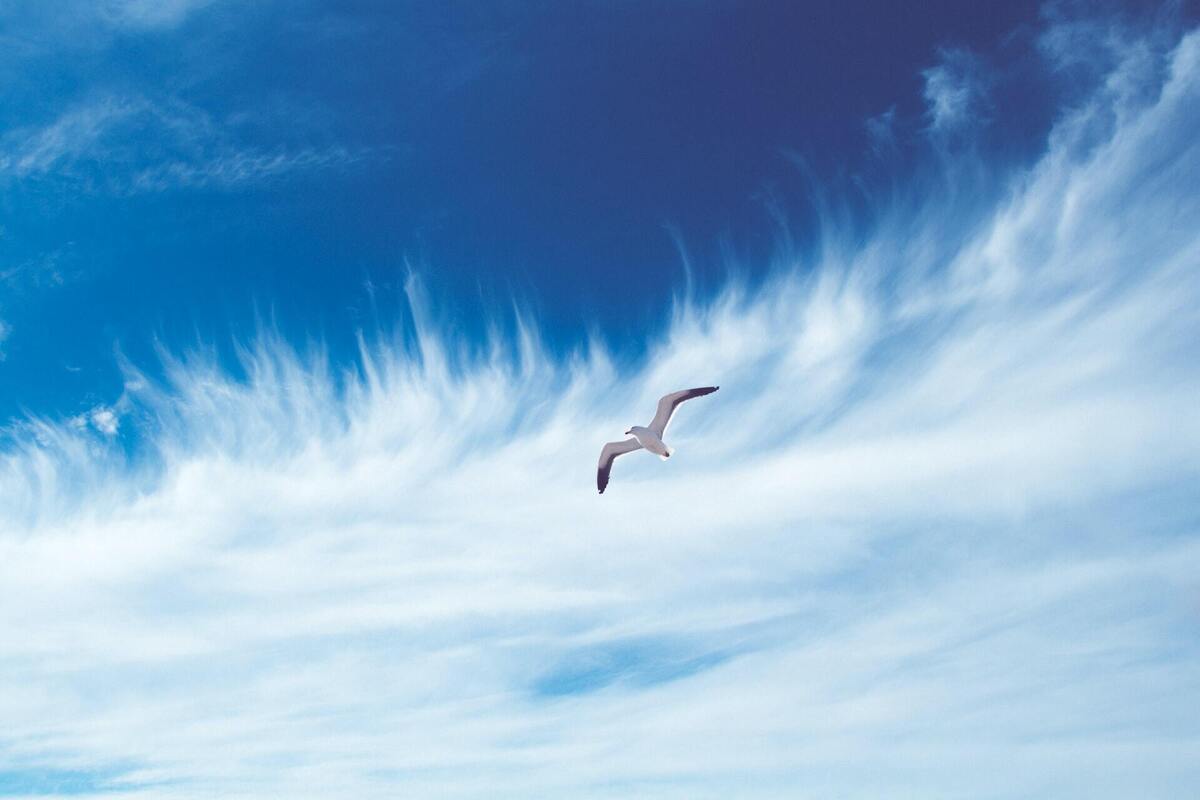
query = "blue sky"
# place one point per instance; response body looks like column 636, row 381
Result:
column 314, row 316
column 171, row 173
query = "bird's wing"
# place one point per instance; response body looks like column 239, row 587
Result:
column 670, row 402
column 608, row 455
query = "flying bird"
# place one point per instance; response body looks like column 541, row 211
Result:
column 649, row 437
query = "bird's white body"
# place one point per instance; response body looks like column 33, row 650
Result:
column 649, row 440
column 649, row 437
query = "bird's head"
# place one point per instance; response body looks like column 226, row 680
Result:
column 629, row 432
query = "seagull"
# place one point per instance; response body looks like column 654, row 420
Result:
column 649, row 437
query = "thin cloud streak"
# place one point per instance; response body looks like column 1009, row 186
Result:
column 89, row 24
column 175, row 145
column 937, row 530
column 149, row 14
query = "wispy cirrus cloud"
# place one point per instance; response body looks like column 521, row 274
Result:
column 32, row 26
column 127, row 136
column 244, row 167
column 936, row 531
column 149, row 14
column 132, row 144
column 955, row 91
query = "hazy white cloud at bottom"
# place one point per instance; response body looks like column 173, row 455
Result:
column 935, row 536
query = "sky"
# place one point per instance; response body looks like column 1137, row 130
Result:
column 314, row 317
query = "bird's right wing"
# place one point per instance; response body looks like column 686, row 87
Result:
column 608, row 455
column 670, row 402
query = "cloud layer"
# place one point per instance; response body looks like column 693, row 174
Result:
column 935, row 534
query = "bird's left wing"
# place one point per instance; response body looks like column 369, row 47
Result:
column 670, row 402
column 608, row 455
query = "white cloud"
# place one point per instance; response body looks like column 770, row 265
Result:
column 955, row 91
column 105, row 420
column 73, row 136
column 934, row 536
column 115, row 138
column 5, row 330
column 241, row 168
column 78, row 29
column 133, row 144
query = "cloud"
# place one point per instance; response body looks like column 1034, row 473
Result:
column 94, row 22
column 103, row 419
column 130, row 144
column 149, row 14
column 5, row 330
column 935, row 534
column 46, row 269
column 74, row 136
column 881, row 133
column 241, row 168
column 37, row 38
column 955, row 91
column 120, row 137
